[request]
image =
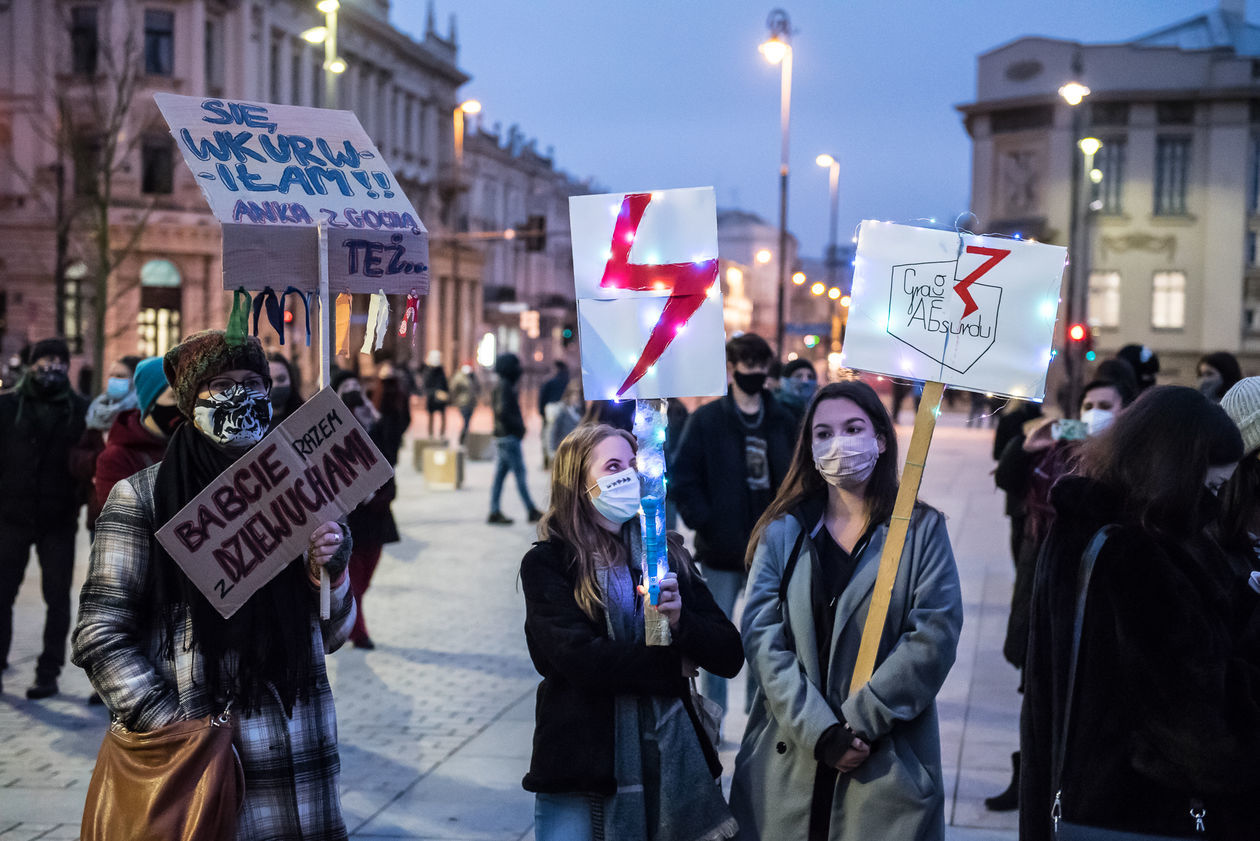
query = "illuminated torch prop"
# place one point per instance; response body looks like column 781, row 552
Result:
column 649, row 428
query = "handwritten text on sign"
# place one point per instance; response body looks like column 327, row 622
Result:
column 972, row 312
column 281, row 166
column 257, row 517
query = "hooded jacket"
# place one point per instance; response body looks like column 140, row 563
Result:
column 506, row 404
column 131, row 448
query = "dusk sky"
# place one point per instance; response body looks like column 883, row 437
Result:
column 652, row 95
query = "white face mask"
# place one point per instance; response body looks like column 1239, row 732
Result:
column 1096, row 420
column 618, row 498
column 846, row 461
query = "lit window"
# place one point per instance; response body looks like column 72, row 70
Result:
column 1168, row 300
column 1104, row 299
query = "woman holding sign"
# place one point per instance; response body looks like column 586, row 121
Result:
column 159, row 653
column 618, row 750
column 818, row 761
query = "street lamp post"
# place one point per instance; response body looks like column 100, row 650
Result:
column 833, row 254
column 468, row 106
column 778, row 51
column 1074, row 93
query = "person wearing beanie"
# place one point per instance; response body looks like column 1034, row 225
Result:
column 1238, row 526
column 41, row 421
column 797, row 385
column 1163, row 721
column 159, row 653
column 1144, row 361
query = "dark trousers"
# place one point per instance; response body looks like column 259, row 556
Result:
column 509, row 459
column 54, row 546
column 363, row 561
column 465, row 413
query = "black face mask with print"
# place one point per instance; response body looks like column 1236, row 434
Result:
column 167, row 418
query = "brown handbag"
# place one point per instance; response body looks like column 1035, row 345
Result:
column 181, row 782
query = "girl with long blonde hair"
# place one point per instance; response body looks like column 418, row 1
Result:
column 618, row 747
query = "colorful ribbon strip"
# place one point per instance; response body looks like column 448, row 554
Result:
column 238, row 321
column 344, row 307
column 377, row 323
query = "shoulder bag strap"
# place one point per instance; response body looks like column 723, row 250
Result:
column 790, row 566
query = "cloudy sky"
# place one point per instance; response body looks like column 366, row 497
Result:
column 646, row 94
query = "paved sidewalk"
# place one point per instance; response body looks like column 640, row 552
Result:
column 436, row 723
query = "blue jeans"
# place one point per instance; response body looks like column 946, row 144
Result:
column 725, row 585
column 508, row 456
column 562, row 817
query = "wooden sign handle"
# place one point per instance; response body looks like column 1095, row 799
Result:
column 325, row 376
column 890, row 560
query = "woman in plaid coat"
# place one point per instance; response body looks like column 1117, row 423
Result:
column 158, row 652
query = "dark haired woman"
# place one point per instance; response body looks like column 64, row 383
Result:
column 1163, row 730
column 1217, row 373
column 817, row 762
column 286, row 387
column 618, row 750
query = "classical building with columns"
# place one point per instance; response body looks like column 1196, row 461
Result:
column 59, row 61
column 1172, row 213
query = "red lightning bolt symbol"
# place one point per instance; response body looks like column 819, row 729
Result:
column 687, row 283
column 995, row 256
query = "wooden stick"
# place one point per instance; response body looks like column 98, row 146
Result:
column 890, row 560
column 325, row 377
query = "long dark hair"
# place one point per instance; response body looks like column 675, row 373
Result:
column 1239, row 498
column 1156, row 455
column 803, row 481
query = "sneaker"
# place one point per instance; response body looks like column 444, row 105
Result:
column 534, row 515
column 496, row 518
column 43, row 687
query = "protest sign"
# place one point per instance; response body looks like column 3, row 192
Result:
column 272, row 173
column 971, row 312
column 648, row 298
column 257, row 516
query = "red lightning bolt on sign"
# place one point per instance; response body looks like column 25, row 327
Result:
column 687, row 283
column 995, row 256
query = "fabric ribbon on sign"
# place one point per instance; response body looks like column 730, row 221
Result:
column 275, row 315
column 377, row 323
column 344, row 306
column 306, row 309
column 409, row 314
column 238, row 320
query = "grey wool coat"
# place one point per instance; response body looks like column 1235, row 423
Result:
column 291, row 763
column 897, row 793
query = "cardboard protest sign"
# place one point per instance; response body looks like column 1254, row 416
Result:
column 255, row 518
column 969, row 311
column 271, row 173
column 648, row 298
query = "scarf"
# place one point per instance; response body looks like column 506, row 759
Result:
column 103, row 410
column 46, row 405
column 665, row 791
column 265, row 648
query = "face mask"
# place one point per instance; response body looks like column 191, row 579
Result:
column 750, row 383
column 238, row 419
column 1096, row 420
column 167, row 418
column 1210, row 385
column 847, row 460
column 117, row 388
column 280, row 395
column 618, row 498
column 50, row 379
column 802, row 390
column 352, row 399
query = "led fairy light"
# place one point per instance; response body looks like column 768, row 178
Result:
column 649, row 429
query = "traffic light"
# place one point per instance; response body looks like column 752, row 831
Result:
column 567, row 335
column 1081, row 336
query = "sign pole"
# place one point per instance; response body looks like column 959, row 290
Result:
column 890, row 559
column 325, row 376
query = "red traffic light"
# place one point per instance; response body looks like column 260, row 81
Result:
column 1077, row 332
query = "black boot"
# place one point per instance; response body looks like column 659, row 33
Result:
column 1007, row 801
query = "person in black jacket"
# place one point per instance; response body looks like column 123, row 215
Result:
column 40, row 421
column 509, row 429
column 1164, row 727
column 733, row 454
column 618, row 749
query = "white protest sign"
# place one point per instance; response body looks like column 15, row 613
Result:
column 648, row 298
column 972, row 312
column 257, row 516
column 271, row 173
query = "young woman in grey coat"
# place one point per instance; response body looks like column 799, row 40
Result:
column 817, row 762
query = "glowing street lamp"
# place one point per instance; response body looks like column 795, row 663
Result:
column 762, row 256
column 777, row 50
column 798, row 278
column 818, row 288
column 1073, row 93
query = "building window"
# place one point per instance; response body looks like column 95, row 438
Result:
column 159, row 42
column 214, row 53
column 317, row 83
column 157, row 166
column 1109, row 114
column 1253, row 175
column 87, row 152
column 1177, row 113
column 1104, row 299
column 157, row 330
column 1172, row 164
column 295, row 78
column 1110, row 162
column 1021, row 119
column 1168, row 301
column 273, row 67
column 71, row 317
column 84, row 40
column 158, row 324
column 1249, row 249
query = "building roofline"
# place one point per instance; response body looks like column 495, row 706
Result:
column 418, row 51
column 1131, row 95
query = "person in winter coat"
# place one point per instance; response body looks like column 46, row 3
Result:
column 286, row 387
column 509, row 429
column 1217, row 373
column 437, row 394
column 1238, row 525
column 40, row 422
column 816, row 761
column 549, row 393
column 465, row 392
column 733, row 454
column 119, row 396
column 158, row 652
column 563, row 416
column 1164, row 729
column 618, row 750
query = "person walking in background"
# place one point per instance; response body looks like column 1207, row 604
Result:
column 509, row 429
column 465, row 394
column 1217, row 373
column 286, row 387
column 159, row 653
column 618, row 751
column 119, row 396
column 437, row 394
column 676, row 414
column 551, row 392
column 733, row 454
column 797, row 387
column 817, row 761
column 40, row 421
column 1143, row 361
column 1162, row 729
column 563, row 416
